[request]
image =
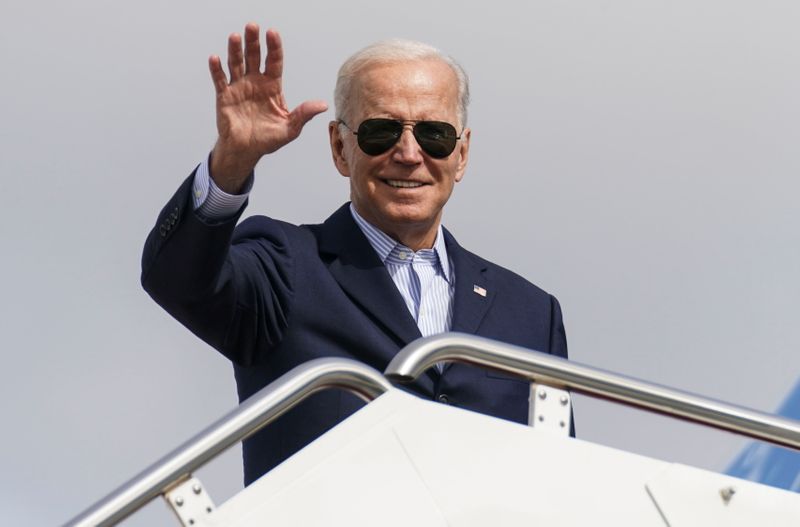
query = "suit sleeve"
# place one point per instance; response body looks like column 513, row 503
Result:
column 233, row 289
column 558, row 343
column 558, row 335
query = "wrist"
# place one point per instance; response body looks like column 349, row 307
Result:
column 230, row 170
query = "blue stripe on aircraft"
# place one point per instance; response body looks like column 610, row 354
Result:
column 769, row 464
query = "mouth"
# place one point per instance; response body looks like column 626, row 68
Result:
column 402, row 183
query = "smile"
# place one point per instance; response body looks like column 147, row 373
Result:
column 396, row 183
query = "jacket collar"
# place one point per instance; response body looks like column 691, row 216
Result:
column 362, row 275
column 357, row 268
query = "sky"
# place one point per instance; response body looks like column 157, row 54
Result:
column 637, row 159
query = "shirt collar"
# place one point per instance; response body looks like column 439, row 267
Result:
column 383, row 244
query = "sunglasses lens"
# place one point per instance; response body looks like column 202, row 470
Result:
column 437, row 139
column 376, row 136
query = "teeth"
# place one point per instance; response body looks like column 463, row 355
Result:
column 403, row 184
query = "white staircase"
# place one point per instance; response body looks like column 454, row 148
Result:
column 405, row 461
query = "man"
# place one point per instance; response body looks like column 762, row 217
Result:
column 379, row 273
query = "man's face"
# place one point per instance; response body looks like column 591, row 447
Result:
column 405, row 91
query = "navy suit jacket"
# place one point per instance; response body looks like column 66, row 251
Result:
column 270, row 296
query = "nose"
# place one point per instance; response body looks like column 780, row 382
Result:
column 407, row 150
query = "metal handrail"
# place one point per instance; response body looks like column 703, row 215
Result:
column 253, row 414
column 422, row 354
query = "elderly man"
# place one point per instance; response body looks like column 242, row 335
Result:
column 379, row 273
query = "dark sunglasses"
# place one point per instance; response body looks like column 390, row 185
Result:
column 376, row 136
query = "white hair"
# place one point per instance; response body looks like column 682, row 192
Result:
column 394, row 50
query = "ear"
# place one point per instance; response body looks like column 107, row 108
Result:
column 337, row 148
column 463, row 153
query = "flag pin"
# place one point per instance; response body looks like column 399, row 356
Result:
column 479, row 290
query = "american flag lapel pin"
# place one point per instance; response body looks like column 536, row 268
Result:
column 479, row 290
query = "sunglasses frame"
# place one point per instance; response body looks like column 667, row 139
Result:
column 421, row 141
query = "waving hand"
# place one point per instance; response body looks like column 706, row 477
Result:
column 252, row 117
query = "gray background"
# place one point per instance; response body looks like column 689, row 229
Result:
column 636, row 158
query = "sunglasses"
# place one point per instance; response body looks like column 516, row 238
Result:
column 376, row 136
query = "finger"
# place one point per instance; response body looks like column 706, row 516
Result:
column 252, row 48
column 217, row 74
column 304, row 113
column 274, row 62
column 235, row 64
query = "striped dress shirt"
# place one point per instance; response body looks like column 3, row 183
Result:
column 424, row 278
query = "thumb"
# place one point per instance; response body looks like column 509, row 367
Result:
column 303, row 113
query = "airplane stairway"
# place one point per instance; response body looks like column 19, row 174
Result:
column 401, row 460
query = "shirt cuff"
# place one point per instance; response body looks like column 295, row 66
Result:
column 212, row 202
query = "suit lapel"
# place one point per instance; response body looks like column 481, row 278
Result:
column 363, row 277
column 361, row 274
column 474, row 289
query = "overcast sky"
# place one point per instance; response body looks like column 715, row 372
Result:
column 638, row 159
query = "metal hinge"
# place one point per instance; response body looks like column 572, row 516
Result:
column 190, row 502
column 550, row 409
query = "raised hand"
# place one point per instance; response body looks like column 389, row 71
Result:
column 252, row 117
